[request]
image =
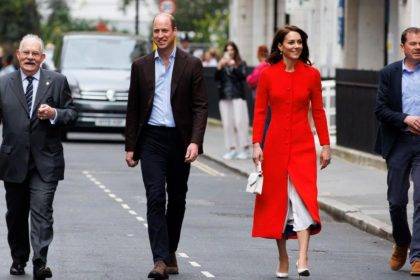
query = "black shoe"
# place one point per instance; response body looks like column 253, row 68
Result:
column 17, row 269
column 41, row 273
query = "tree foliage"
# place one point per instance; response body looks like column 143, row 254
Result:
column 18, row 18
column 208, row 20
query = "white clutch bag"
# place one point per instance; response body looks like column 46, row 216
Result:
column 255, row 181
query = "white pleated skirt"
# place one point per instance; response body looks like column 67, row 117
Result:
column 298, row 216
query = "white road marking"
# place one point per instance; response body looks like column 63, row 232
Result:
column 195, row 264
column 183, row 255
column 207, row 274
column 199, row 165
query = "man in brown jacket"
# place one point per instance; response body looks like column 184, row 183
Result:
column 166, row 120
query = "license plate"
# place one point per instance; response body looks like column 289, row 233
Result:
column 110, row 122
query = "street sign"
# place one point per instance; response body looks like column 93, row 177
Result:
column 167, row 6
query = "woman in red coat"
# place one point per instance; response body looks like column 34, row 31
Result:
column 288, row 206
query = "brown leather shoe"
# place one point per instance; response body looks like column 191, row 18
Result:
column 415, row 268
column 159, row 271
column 398, row 257
column 172, row 266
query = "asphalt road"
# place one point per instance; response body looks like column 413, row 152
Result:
column 100, row 232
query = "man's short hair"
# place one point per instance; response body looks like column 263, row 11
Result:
column 408, row 30
column 32, row 37
column 171, row 17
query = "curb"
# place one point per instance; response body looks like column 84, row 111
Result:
column 337, row 209
column 358, row 157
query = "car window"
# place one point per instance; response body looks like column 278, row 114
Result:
column 99, row 53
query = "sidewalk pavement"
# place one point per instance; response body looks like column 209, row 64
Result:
column 353, row 192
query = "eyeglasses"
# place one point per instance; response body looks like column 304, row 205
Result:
column 28, row 53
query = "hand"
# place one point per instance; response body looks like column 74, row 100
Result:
column 257, row 153
column 192, row 153
column 413, row 122
column 222, row 63
column 414, row 131
column 46, row 112
column 129, row 159
column 325, row 156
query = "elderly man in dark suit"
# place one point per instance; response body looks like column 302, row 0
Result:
column 398, row 111
column 34, row 104
column 166, row 120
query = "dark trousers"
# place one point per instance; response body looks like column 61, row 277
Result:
column 403, row 161
column 162, row 156
column 36, row 197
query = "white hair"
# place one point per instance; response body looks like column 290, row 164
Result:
column 32, row 37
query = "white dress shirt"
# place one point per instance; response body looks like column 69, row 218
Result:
column 35, row 83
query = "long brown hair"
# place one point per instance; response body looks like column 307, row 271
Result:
column 276, row 55
column 237, row 56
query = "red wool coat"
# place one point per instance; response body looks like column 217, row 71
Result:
column 289, row 148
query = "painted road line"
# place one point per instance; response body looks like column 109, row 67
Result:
column 140, row 219
column 102, row 187
column 107, row 190
column 183, row 255
column 132, row 212
column 125, row 206
column 207, row 169
column 111, row 195
column 145, row 225
column 207, row 274
column 195, row 264
column 117, row 199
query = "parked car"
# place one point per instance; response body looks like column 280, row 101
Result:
column 97, row 66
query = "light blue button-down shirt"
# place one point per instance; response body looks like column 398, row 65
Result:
column 162, row 110
column 410, row 85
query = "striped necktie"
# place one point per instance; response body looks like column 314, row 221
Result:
column 29, row 92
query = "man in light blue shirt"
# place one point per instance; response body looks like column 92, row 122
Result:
column 398, row 112
column 166, row 120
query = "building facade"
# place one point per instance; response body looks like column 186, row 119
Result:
column 357, row 34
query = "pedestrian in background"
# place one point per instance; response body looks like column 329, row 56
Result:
column 166, row 120
column 231, row 73
column 210, row 58
column 288, row 205
column 398, row 141
column 34, row 104
column 8, row 66
column 253, row 78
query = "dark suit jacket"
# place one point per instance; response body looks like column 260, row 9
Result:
column 388, row 108
column 22, row 135
column 188, row 99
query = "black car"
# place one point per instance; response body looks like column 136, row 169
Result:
column 97, row 67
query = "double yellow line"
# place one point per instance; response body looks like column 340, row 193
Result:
column 207, row 169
